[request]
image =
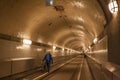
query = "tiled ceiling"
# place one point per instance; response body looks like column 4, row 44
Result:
column 69, row 23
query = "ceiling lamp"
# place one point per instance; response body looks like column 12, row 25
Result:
column 49, row 2
column 113, row 6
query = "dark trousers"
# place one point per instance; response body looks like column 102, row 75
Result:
column 48, row 66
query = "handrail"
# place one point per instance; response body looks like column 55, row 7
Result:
column 15, row 59
column 112, row 68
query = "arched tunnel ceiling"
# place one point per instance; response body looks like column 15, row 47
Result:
column 73, row 22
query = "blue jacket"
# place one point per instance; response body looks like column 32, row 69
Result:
column 48, row 58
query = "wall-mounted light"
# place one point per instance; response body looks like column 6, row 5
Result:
column 49, row 2
column 113, row 6
column 89, row 47
column 63, row 49
column 54, row 47
column 95, row 40
column 27, row 42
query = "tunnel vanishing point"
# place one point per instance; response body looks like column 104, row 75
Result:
column 30, row 28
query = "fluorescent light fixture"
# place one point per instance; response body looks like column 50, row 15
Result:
column 113, row 6
column 27, row 41
column 49, row 2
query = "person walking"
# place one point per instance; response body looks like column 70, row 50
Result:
column 48, row 60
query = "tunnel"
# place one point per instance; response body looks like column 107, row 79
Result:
column 82, row 36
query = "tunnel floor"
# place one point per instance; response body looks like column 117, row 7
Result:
column 75, row 69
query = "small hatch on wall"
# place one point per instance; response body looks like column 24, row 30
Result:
column 49, row 2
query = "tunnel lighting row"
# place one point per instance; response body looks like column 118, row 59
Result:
column 29, row 42
column 63, row 49
column 113, row 6
column 26, row 45
column 54, row 47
